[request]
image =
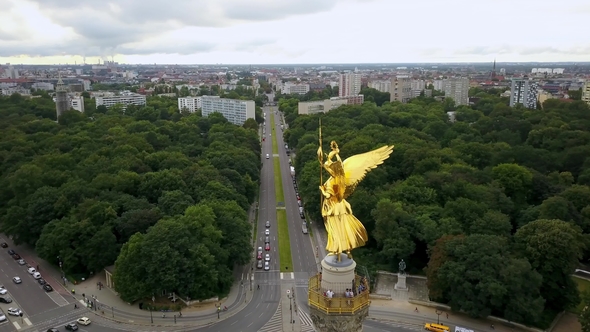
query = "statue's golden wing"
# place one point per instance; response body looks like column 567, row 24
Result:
column 357, row 167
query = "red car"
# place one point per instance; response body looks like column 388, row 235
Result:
column 267, row 247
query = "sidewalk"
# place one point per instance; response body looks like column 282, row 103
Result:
column 398, row 311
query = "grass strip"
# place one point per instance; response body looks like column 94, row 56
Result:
column 285, row 259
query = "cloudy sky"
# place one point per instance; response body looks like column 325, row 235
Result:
column 292, row 31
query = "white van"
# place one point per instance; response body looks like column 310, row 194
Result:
column 37, row 275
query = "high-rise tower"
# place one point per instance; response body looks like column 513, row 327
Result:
column 62, row 103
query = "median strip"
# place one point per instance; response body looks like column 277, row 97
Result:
column 285, row 260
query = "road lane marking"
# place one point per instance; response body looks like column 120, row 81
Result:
column 16, row 325
column 28, row 321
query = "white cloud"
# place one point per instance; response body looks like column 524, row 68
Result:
column 292, row 31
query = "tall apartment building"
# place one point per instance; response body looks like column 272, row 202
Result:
column 294, row 89
column 382, row 86
column 125, row 98
column 438, row 85
column 418, row 85
column 192, row 104
column 401, row 88
column 349, row 85
column 458, row 89
column 523, row 91
column 234, row 110
column 586, row 92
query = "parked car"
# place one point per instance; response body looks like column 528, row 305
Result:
column 11, row 252
column 31, row 270
column 3, row 290
column 21, row 262
column 5, row 299
column 41, row 281
column 2, row 316
column 53, row 329
column 47, row 288
column 14, row 311
column 4, row 245
column 16, row 257
column 37, row 275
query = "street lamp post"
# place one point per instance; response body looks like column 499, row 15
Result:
column 438, row 313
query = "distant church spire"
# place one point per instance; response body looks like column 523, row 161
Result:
column 493, row 73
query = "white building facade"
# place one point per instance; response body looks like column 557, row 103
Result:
column 125, row 98
column 234, row 110
column 294, row 89
column 381, row 86
column 586, row 92
column 192, row 104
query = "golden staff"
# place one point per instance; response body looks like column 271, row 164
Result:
column 321, row 156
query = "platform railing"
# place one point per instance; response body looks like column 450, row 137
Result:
column 338, row 303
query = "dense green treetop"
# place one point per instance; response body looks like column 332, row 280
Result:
column 84, row 186
column 495, row 206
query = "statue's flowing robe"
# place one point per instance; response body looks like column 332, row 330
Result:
column 345, row 231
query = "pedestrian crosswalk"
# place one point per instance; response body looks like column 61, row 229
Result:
column 306, row 322
column 275, row 323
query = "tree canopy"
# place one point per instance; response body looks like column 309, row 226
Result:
column 494, row 207
column 108, row 185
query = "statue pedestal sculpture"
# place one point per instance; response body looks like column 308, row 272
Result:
column 401, row 282
column 338, row 298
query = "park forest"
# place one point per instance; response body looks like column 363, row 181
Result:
column 494, row 209
column 161, row 194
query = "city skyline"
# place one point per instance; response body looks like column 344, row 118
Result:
column 303, row 32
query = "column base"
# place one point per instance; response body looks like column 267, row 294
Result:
column 338, row 323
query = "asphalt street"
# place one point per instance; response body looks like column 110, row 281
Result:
column 265, row 301
column 44, row 311
column 28, row 296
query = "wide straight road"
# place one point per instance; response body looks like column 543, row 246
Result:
column 265, row 300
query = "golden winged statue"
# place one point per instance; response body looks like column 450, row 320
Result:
column 345, row 231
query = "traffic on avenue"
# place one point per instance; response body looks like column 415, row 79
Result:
column 32, row 301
